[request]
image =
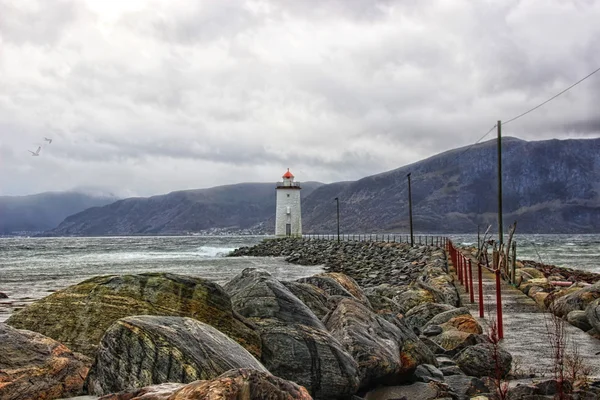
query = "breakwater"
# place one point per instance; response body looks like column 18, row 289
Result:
column 385, row 321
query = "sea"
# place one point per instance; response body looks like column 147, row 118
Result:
column 32, row 268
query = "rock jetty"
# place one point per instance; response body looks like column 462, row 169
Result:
column 569, row 294
column 385, row 319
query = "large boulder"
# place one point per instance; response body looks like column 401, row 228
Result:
column 243, row 385
column 257, row 295
column 579, row 319
column 435, row 279
column 237, row 384
column 314, row 297
column 575, row 299
column 337, row 284
column 34, row 366
column 146, row 350
column 79, row 315
column 295, row 343
column 484, row 359
column 418, row 316
column 592, row 312
column 310, row 357
column 385, row 353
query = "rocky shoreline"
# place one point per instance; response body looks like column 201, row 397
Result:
column 384, row 322
column 567, row 293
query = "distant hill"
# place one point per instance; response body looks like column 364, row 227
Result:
column 236, row 207
column 549, row 186
column 40, row 212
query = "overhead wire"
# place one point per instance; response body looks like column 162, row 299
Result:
column 527, row 112
column 551, row 98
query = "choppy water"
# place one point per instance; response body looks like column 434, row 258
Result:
column 31, row 268
column 580, row 252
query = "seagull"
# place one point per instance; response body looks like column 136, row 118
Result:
column 37, row 152
column 48, row 140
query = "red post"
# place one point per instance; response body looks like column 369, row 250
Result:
column 466, row 273
column 461, row 259
column 499, row 305
column 479, row 273
column 470, row 269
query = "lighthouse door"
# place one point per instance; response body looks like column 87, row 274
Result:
column 288, row 229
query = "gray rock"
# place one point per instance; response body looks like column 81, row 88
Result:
column 416, row 391
column 257, row 295
column 154, row 392
column 446, row 316
column 579, row 319
column 465, row 386
column 386, row 352
column 551, row 387
column 445, row 361
column 242, row 384
column 79, row 315
column 3, row 295
column 451, row 370
column 310, row 357
column 418, row 316
column 577, row 300
column 33, row 366
column 520, row 391
column 428, row 373
column 333, row 285
column 432, row 330
column 314, row 297
column 145, row 350
column 484, row 359
column 592, row 313
column 432, row 346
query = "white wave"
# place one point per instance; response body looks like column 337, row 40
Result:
column 209, row 251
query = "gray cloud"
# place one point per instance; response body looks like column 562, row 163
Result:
column 144, row 97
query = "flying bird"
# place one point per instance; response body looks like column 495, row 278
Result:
column 37, row 152
column 48, row 140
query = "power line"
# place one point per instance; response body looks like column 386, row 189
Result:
column 551, row 98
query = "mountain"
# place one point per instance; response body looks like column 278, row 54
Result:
column 549, row 186
column 40, row 212
column 236, row 207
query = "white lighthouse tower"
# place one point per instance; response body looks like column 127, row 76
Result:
column 288, row 221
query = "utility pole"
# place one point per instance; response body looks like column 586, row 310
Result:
column 412, row 239
column 337, row 200
column 499, row 145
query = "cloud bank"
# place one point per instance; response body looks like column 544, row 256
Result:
column 145, row 97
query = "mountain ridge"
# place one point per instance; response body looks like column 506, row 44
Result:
column 548, row 186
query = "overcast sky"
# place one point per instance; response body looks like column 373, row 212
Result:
column 144, row 97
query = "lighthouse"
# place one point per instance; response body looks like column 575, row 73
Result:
column 288, row 221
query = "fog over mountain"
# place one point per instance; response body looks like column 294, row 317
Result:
column 549, row 187
column 40, row 212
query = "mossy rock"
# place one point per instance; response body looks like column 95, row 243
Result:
column 79, row 315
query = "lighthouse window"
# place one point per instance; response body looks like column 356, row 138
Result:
column 288, row 195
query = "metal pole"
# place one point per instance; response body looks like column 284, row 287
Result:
column 337, row 200
column 480, row 277
column 470, row 269
column 499, row 146
column 499, row 305
column 410, row 219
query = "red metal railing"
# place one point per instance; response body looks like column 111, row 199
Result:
column 464, row 273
